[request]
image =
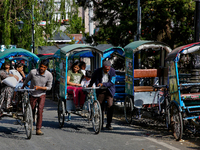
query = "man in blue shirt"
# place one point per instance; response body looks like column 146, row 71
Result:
column 105, row 77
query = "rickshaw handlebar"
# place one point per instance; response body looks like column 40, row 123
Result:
column 160, row 87
column 23, row 90
column 89, row 88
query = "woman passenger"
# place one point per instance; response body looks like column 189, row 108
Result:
column 6, row 91
column 74, row 76
column 19, row 67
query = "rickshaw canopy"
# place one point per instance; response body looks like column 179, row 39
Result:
column 185, row 49
column 18, row 52
column 108, row 52
column 139, row 45
column 82, row 54
column 79, row 47
column 46, row 57
column 57, row 54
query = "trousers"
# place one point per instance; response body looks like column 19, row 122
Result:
column 105, row 96
column 40, row 101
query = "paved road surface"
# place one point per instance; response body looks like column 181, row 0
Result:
column 78, row 135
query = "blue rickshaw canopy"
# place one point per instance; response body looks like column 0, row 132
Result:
column 17, row 52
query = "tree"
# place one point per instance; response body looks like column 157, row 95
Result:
column 169, row 21
column 75, row 22
column 13, row 10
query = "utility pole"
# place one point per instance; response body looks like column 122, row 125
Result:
column 91, row 27
column 138, row 20
column 197, row 21
column 139, row 30
column 33, row 42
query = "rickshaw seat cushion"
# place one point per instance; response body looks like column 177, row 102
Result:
column 145, row 73
column 143, row 88
column 190, row 96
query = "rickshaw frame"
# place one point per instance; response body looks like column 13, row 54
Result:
column 139, row 96
column 66, row 106
column 23, row 112
column 184, row 105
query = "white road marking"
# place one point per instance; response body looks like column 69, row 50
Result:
column 162, row 143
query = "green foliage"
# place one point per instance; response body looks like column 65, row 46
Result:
column 75, row 22
column 169, row 21
column 13, row 10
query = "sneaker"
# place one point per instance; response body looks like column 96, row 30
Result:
column 39, row 132
column 109, row 127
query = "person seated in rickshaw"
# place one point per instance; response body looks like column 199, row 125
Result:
column 19, row 67
column 86, row 80
column 82, row 67
column 6, row 89
column 74, row 76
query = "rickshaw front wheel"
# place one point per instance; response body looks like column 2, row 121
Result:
column 176, row 122
column 128, row 109
column 61, row 112
column 96, row 117
column 28, row 118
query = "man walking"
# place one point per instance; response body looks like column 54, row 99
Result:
column 41, row 80
column 105, row 77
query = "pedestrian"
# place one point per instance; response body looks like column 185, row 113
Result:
column 105, row 77
column 41, row 80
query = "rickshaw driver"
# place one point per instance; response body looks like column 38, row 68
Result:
column 41, row 80
column 105, row 77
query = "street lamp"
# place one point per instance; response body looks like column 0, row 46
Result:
column 20, row 24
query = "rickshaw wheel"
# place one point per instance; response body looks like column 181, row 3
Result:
column 176, row 122
column 61, row 112
column 167, row 114
column 128, row 109
column 28, row 118
column 96, row 117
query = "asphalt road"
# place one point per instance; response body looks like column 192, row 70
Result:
column 79, row 135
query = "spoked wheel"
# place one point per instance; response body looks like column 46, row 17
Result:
column 128, row 109
column 61, row 112
column 176, row 122
column 96, row 117
column 28, row 121
column 167, row 113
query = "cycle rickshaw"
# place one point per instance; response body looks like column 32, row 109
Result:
column 91, row 107
column 146, row 79
column 22, row 112
column 184, row 75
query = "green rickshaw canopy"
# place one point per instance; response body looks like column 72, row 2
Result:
column 79, row 47
column 138, row 45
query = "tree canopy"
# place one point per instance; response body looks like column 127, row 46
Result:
column 12, row 11
column 169, row 21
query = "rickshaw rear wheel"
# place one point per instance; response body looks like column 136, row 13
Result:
column 128, row 109
column 28, row 118
column 61, row 112
column 167, row 113
column 176, row 122
column 96, row 117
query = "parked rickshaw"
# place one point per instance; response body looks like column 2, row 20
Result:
column 22, row 112
column 184, row 75
column 92, row 108
column 146, row 79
